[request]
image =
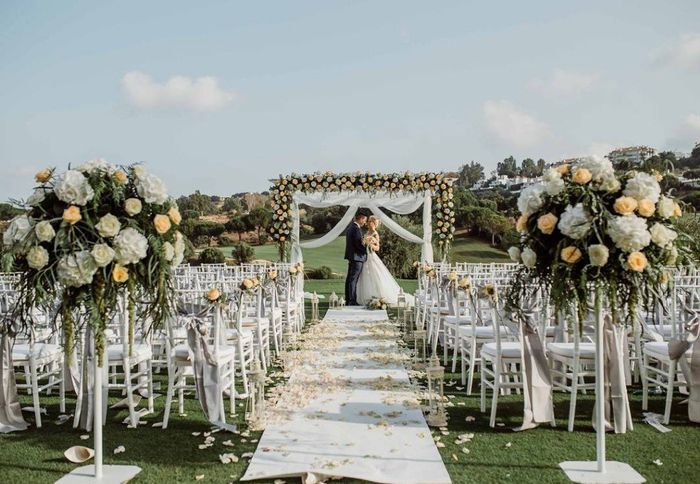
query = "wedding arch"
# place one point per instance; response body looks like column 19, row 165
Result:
column 399, row 193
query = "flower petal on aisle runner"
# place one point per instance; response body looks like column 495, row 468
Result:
column 348, row 408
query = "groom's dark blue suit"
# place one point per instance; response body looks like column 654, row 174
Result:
column 356, row 255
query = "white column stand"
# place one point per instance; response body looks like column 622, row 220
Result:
column 98, row 473
column 600, row 470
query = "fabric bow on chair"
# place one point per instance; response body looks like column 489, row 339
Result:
column 690, row 366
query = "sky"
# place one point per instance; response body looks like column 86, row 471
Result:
column 222, row 96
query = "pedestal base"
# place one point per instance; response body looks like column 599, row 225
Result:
column 615, row 472
column 110, row 475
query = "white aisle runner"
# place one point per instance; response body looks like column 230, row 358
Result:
column 348, row 409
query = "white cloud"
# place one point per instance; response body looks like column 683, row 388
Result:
column 565, row 83
column 684, row 53
column 686, row 134
column 512, row 127
column 200, row 94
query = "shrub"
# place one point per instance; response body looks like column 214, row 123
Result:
column 212, row 256
column 226, row 240
column 201, row 240
column 323, row 272
column 399, row 254
column 242, row 253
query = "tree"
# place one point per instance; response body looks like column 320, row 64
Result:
column 7, row 211
column 198, row 202
column 232, row 204
column 469, row 174
column 399, row 254
column 212, row 256
column 242, row 253
column 540, row 166
column 260, row 218
column 239, row 225
column 508, row 167
column 528, row 169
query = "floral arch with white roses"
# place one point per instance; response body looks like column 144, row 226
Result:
column 401, row 193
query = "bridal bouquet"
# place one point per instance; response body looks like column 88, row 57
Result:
column 90, row 233
column 377, row 303
column 585, row 223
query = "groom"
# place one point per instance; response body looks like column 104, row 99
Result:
column 356, row 255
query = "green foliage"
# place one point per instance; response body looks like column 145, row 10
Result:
column 398, row 254
column 469, row 174
column 323, row 272
column 239, row 225
column 692, row 199
column 197, row 202
column 226, row 240
column 232, row 204
column 689, row 225
column 8, row 211
column 260, row 218
column 212, row 255
column 507, row 167
column 242, row 253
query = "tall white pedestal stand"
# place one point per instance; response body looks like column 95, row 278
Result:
column 600, row 470
column 97, row 472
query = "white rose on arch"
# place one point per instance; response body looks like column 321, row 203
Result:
column 37, row 257
column 529, row 257
column 575, row 222
column 108, row 226
column 130, row 246
column 530, row 199
column 662, row 235
column 643, row 185
column 17, row 230
column 152, row 189
column 77, row 269
column 629, row 233
column 553, row 182
column 72, row 187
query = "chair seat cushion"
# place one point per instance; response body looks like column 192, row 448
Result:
column 253, row 322
column 509, row 349
column 20, row 352
column 482, row 332
column 232, row 333
column 659, row 350
column 138, row 351
column 457, row 320
column 586, row 350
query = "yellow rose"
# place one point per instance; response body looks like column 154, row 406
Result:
column 547, row 222
column 161, row 223
column 120, row 273
column 663, row 278
column 213, row 294
column 637, row 262
column 43, row 175
column 581, row 176
column 72, row 215
column 562, row 169
column 677, row 212
column 625, row 205
column 174, row 215
column 521, row 224
column 646, row 207
column 120, row 177
column 571, row 254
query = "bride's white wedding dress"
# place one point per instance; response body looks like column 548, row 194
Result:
column 376, row 280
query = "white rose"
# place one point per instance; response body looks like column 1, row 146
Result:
column 179, row 249
column 44, row 231
column 77, row 269
column 609, row 184
column 103, row 254
column 152, row 189
column 662, row 235
column 665, row 207
column 37, row 257
column 97, row 165
column 643, row 185
column 72, row 187
column 600, row 168
column 575, row 222
column 529, row 257
column 131, row 246
column 598, row 254
column 108, row 226
column 530, row 199
column 553, row 183
column 168, row 251
column 17, row 230
column 37, row 196
column 133, row 206
column 514, row 253
column 139, row 171
column 629, row 233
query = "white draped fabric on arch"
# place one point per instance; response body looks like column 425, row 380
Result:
column 401, row 203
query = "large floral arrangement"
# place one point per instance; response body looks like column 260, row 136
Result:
column 284, row 188
column 586, row 223
column 88, row 235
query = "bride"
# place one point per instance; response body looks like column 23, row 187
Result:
column 375, row 279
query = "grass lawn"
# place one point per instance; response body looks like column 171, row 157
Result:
column 172, row 455
column 465, row 249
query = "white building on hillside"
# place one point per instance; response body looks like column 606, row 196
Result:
column 631, row 155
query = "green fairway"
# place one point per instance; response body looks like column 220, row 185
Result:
column 464, row 249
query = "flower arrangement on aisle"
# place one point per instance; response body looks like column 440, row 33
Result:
column 377, row 303
column 438, row 184
column 89, row 234
column 586, row 223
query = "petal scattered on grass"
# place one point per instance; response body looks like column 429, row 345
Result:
column 119, row 449
column 199, row 477
column 658, row 462
column 84, row 437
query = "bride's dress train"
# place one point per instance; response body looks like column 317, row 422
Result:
column 376, row 281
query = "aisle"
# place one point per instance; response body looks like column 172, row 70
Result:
column 348, row 409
